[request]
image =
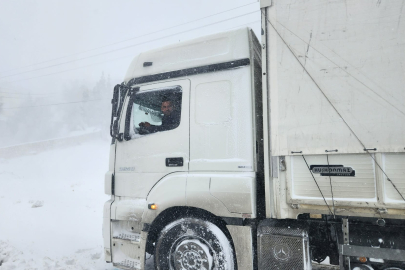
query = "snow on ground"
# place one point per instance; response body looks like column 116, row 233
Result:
column 51, row 205
column 51, row 208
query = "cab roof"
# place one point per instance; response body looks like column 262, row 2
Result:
column 207, row 50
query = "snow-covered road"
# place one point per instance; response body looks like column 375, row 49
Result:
column 51, row 208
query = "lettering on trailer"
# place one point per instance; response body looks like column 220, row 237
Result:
column 332, row 170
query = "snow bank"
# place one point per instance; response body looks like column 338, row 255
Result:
column 51, row 207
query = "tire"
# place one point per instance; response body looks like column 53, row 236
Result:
column 193, row 244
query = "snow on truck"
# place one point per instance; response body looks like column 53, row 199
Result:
column 230, row 153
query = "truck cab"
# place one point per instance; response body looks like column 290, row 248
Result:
column 198, row 174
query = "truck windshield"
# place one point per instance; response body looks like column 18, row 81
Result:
column 155, row 110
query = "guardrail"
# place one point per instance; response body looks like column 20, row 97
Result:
column 41, row 146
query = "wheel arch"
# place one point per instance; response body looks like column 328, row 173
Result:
column 173, row 213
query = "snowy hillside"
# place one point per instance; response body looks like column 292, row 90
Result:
column 51, row 208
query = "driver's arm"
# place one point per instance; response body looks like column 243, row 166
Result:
column 145, row 124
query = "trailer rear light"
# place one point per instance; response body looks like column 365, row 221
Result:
column 152, row 206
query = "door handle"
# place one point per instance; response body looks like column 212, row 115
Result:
column 174, row 162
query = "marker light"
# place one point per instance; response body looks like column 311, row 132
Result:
column 152, row 206
column 363, row 259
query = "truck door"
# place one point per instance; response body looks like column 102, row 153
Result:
column 155, row 124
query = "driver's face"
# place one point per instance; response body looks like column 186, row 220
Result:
column 166, row 108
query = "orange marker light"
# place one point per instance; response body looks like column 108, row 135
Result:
column 152, row 206
column 363, row 259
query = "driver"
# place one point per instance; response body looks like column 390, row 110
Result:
column 170, row 119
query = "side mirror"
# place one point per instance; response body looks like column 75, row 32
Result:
column 120, row 92
column 114, row 112
column 114, row 100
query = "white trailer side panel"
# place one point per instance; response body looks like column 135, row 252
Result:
column 336, row 75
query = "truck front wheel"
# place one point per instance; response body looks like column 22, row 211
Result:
column 193, row 244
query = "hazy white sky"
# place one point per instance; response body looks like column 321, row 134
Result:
column 36, row 34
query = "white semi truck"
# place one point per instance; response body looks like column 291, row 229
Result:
column 230, row 153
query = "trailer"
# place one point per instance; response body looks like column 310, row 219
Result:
column 286, row 153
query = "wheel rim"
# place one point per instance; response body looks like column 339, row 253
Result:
column 191, row 254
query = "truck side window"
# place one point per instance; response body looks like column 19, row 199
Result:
column 155, row 110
